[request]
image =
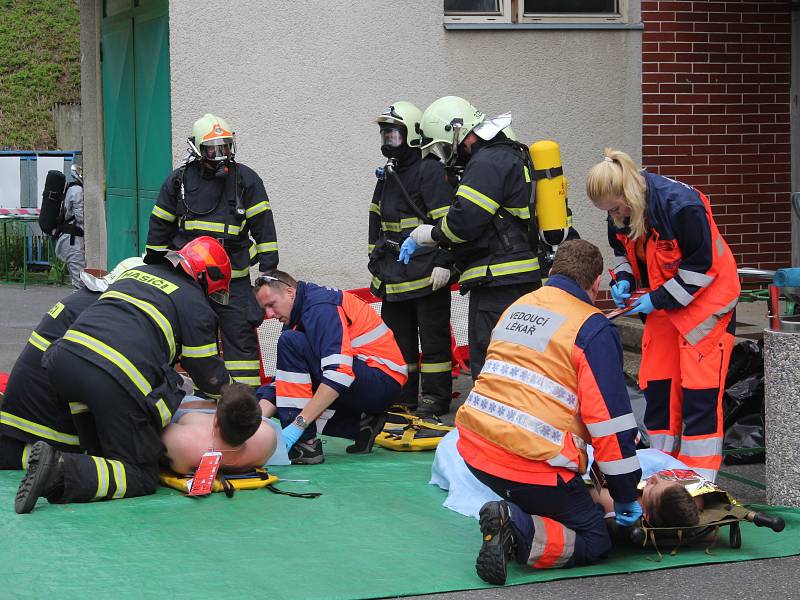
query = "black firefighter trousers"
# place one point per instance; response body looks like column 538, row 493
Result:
column 424, row 322
column 125, row 463
column 238, row 321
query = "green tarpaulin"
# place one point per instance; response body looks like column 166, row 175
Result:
column 378, row 530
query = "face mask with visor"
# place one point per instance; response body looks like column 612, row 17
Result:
column 218, row 150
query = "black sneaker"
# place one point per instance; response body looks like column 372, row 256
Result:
column 431, row 408
column 371, row 426
column 44, row 477
column 307, row 453
column 499, row 543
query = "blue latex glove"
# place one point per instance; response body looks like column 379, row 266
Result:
column 620, row 292
column 627, row 513
column 406, row 250
column 291, row 433
column 643, row 305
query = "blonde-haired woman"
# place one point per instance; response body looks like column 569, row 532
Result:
column 665, row 240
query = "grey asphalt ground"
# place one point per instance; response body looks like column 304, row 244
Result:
column 21, row 310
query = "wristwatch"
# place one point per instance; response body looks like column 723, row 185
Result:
column 300, row 422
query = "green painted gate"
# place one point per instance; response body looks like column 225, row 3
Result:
column 136, row 109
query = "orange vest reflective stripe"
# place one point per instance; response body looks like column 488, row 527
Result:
column 372, row 340
column 526, row 397
column 711, row 309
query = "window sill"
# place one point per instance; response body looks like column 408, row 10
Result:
column 631, row 26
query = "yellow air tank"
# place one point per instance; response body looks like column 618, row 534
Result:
column 551, row 192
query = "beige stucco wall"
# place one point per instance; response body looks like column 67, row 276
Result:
column 301, row 84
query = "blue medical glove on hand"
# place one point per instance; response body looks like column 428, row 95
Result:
column 643, row 305
column 406, row 250
column 627, row 513
column 620, row 292
column 291, row 433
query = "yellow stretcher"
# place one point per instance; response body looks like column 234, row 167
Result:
column 405, row 432
column 255, row 480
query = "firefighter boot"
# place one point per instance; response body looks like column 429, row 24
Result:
column 429, row 408
column 369, row 428
column 499, row 542
column 44, row 477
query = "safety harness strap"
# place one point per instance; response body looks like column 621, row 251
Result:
column 548, row 173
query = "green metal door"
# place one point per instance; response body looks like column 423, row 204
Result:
column 136, row 104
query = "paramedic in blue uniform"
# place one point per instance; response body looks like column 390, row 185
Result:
column 338, row 366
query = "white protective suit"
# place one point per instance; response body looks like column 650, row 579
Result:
column 69, row 248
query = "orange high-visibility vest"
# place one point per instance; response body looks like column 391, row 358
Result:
column 526, row 397
column 711, row 308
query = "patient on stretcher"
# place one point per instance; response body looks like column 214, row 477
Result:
column 665, row 500
column 233, row 426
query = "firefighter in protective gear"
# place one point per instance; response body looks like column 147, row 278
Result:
column 123, row 349
column 31, row 409
column 664, row 238
column 212, row 194
column 552, row 383
column 69, row 245
column 416, row 296
column 487, row 226
column 338, row 366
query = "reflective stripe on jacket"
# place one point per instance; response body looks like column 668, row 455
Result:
column 148, row 319
column 526, row 397
column 341, row 327
column 689, row 266
column 487, row 224
column 211, row 211
column 552, row 382
column 391, row 220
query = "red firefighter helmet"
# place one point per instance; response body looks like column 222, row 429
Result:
column 206, row 261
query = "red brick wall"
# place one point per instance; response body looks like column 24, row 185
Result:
column 715, row 101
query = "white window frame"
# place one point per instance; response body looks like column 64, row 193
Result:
column 504, row 16
column 619, row 17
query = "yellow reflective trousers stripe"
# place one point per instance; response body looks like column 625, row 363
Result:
column 239, row 365
column 120, row 478
column 442, row 367
column 252, row 381
column 38, row 429
column 102, row 477
column 200, row 351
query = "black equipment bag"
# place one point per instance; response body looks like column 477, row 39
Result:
column 52, row 202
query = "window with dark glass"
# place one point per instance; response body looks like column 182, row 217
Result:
column 478, row 7
column 568, row 7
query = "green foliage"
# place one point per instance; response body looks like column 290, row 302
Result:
column 13, row 237
column 39, row 67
